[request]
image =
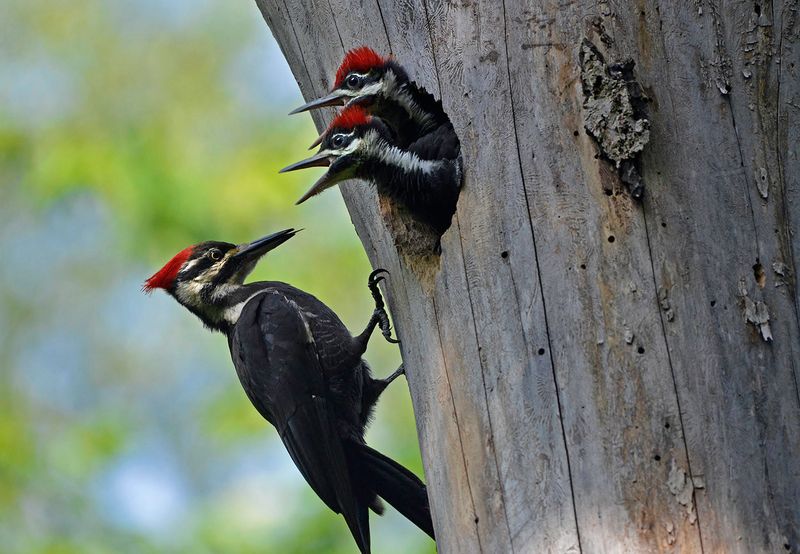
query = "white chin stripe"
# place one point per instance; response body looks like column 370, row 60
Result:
column 402, row 159
column 373, row 88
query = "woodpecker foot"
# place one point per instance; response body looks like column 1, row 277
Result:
column 380, row 308
column 397, row 373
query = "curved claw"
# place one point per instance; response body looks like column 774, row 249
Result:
column 375, row 273
column 386, row 328
column 380, row 312
column 374, row 278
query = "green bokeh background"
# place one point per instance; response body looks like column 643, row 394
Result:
column 129, row 129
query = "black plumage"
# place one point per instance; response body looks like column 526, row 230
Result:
column 429, row 191
column 425, row 177
column 304, row 373
column 408, row 108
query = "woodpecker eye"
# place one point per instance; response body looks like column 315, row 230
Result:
column 353, row 81
column 215, row 254
column 337, row 141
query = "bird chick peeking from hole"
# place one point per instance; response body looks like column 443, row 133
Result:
column 425, row 178
column 382, row 87
column 413, row 154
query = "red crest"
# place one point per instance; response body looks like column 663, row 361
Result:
column 360, row 60
column 350, row 117
column 165, row 277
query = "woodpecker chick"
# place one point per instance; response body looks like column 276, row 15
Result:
column 303, row 372
column 382, row 87
column 425, row 178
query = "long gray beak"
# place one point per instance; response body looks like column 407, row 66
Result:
column 328, row 179
column 317, row 142
column 320, row 159
column 324, row 182
column 254, row 250
column 335, row 98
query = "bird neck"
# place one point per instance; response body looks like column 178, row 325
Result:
column 426, row 187
column 410, row 110
column 220, row 306
column 393, row 167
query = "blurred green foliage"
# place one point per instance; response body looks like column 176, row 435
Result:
column 129, row 129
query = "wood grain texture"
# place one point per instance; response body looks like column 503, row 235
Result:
column 581, row 367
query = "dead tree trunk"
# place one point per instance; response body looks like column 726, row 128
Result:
column 592, row 372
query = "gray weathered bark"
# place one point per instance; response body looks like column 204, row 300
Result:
column 589, row 372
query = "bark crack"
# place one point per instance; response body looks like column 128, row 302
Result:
column 674, row 378
column 747, row 185
column 297, row 40
column 539, row 277
column 433, row 53
column 458, row 426
column 385, row 28
column 485, row 392
column 336, row 26
column 782, row 181
column 471, row 304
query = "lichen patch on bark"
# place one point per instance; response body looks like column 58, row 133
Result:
column 613, row 107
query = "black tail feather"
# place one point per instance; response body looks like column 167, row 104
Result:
column 395, row 484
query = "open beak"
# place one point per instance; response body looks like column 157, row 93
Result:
column 252, row 251
column 328, row 179
column 335, row 98
column 317, row 142
column 320, row 159
column 324, row 182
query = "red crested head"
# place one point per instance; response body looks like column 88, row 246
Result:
column 164, row 278
column 350, row 117
column 360, row 60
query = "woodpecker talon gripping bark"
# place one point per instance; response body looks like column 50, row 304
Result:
column 380, row 309
column 396, row 373
column 374, row 278
column 386, row 328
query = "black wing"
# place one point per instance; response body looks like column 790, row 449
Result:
column 428, row 103
column 277, row 362
column 440, row 144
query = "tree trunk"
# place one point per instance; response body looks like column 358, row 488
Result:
column 591, row 372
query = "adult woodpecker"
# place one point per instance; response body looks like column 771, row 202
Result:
column 303, row 372
column 425, row 177
column 382, row 86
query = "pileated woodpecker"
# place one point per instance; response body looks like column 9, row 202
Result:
column 425, row 177
column 303, row 372
column 383, row 88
